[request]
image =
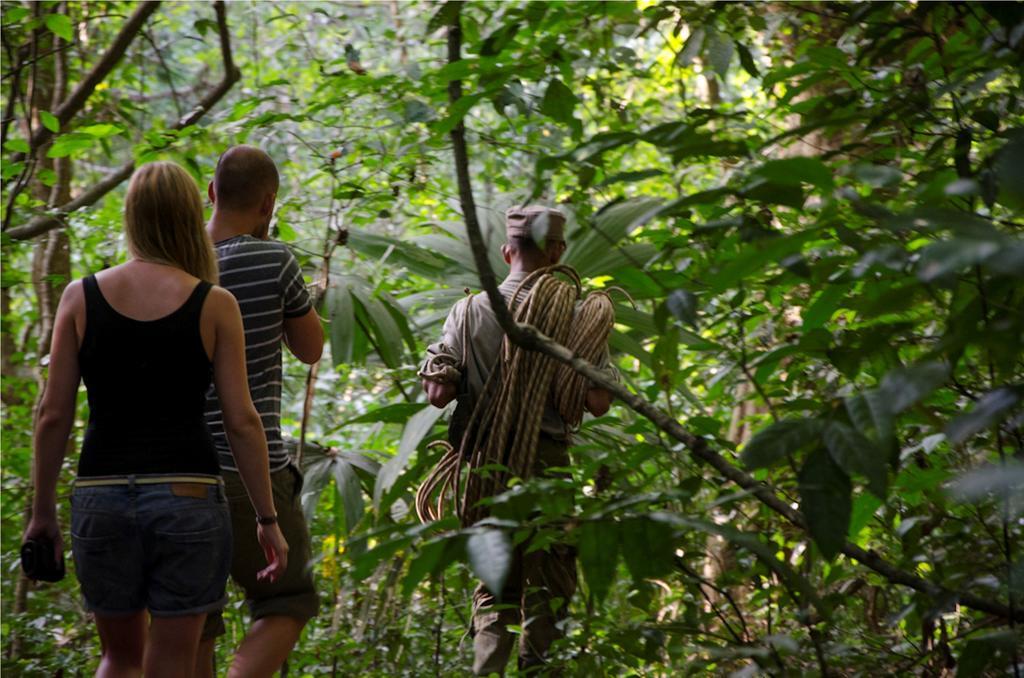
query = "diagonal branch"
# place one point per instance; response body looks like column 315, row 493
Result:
column 76, row 101
column 232, row 74
column 528, row 337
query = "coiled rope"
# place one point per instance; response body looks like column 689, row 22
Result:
column 500, row 441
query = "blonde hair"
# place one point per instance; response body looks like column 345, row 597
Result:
column 163, row 219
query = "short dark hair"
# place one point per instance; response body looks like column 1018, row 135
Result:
column 242, row 177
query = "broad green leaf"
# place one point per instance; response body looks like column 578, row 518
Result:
column 558, row 102
column 16, row 145
column 490, row 556
column 823, row 307
column 683, row 305
column 419, row 426
column 59, row 25
column 101, row 130
column 856, row 454
column 390, row 414
column 599, row 555
column 316, row 477
column 1010, row 173
column 877, row 175
column 952, row 256
column 904, row 386
column 719, row 53
column 774, row 443
column 647, row 547
column 342, row 323
column 347, row 482
column 68, row 144
column 988, row 648
column 747, row 60
column 443, row 16
column 380, row 325
column 825, row 501
column 432, row 557
column 49, row 121
column 988, row 411
column 794, row 171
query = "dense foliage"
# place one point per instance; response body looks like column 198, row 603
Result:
column 815, row 208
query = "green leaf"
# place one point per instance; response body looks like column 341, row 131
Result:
column 599, row 554
column 100, row 131
column 558, row 102
column 719, row 53
column 490, row 557
column 988, row 411
column 430, row 559
column 647, row 547
column 379, row 323
column 444, row 16
column 771, row 444
column 823, row 307
column 1003, row 481
column 16, row 145
column 390, row 414
column 879, row 176
column 984, row 650
column 904, row 386
column 856, row 454
column 747, row 60
column 951, row 256
column 49, row 121
column 67, row 144
column 630, row 177
column 15, row 14
column 825, row 501
column 683, row 305
column 419, row 426
column 59, row 25
column 347, row 482
column 341, row 315
column 794, row 171
column 1009, row 168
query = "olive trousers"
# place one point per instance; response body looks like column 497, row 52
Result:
column 535, row 597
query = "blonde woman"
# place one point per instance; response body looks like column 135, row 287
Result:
column 149, row 524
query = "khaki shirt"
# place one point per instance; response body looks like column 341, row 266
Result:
column 473, row 321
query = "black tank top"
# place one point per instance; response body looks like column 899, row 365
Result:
column 147, row 384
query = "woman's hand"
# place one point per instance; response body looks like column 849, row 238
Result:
column 46, row 527
column 275, row 549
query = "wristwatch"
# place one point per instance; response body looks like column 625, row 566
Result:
column 267, row 520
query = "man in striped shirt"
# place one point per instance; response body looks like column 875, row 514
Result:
column 276, row 307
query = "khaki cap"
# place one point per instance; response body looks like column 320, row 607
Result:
column 522, row 222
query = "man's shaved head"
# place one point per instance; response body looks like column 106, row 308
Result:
column 244, row 176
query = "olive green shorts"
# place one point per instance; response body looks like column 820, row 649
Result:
column 293, row 594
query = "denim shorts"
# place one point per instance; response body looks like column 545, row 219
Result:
column 165, row 546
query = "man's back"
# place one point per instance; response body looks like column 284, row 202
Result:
column 265, row 278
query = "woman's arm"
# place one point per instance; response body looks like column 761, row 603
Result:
column 55, row 417
column 242, row 423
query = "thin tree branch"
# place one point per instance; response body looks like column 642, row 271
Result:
column 76, row 101
column 529, row 338
column 44, row 223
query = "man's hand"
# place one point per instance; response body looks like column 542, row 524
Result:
column 275, row 550
column 598, row 401
column 440, row 394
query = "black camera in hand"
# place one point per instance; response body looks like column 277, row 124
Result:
column 38, row 561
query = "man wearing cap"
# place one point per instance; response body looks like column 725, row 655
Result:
column 540, row 584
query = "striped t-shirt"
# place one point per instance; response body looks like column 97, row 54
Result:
column 265, row 278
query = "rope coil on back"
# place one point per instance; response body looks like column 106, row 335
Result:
column 501, row 438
